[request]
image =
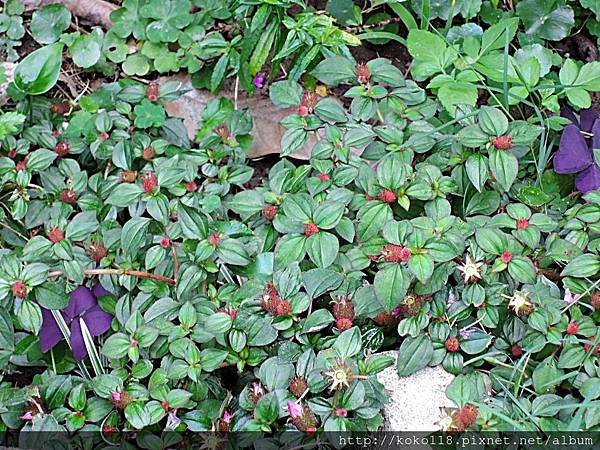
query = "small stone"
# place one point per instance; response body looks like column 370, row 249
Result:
column 416, row 401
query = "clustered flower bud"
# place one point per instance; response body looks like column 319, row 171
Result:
column 595, row 300
column 503, row 142
column 516, row 350
column 59, row 108
column 152, row 91
column 149, row 182
column 323, row 177
column 103, row 136
column 68, row 196
column 148, row 153
column 269, row 212
column 121, row 399
column 191, row 186
column 128, row 176
column 465, row 417
column 214, row 239
column 587, row 347
column 19, row 289
column 411, row 305
column 363, row 74
column 298, row 386
column 56, row 235
column 452, row 344
column 387, row 196
column 310, row 229
column 165, row 242
column 506, row 257
column 386, row 320
column 97, row 251
column 62, row 149
column 256, row 392
column 302, row 417
column 308, row 103
column 572, row 328
column 522, row 224
column 273, row 303
column 343, row 311
column 396, row 253
column 21, row 165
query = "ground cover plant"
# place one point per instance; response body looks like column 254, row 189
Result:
column 449, row 210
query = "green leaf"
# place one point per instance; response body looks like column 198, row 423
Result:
column 391, row 284
column 582, row 266
column 414, row 354
column 545, row 19
column 322, row 248
column 477, row 170
column 38, row 72
column 421, row 266
column 124, row 194
column 348, row 343
column 86, row 50
column 504, row 167
column 193, row 223
column 522, row 269
column 285, row 94
column 48, row 23
column 137, row 414
column 334, row 70
column 317, row 320
column 81, row 226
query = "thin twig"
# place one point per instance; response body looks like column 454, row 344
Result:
column 131, row 273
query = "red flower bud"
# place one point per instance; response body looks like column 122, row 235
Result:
column 516, row 350
column 56, row 235
column 452, row 344
column 502, row 142
column 310, row 229
column 19, row 289
column 324, row 177
column 21, row 165
column 12, row 154
column 191, row 186
column 522, row 224
column 62, row 149
column 149, row 182
column 148, row 153
column 283, row 308
column 214, row 239
column 97, row 251
column 165, row 242
column 68, row 196
column 104, row 136
column 303, row 111
column 128, row 176
column 269, row 212
column 572, row 328
column 152, row 91
column 387, row 196
column 343, row 324
column 506, row 257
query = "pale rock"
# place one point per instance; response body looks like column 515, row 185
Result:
column 416, row 402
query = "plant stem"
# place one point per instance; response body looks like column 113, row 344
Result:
column 128, row 272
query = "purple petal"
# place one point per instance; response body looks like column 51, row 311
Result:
column 97, row 321
column 587, row 117
column 77, row 344
column 573, row 154
column 82, row 299
column 50, row 334
column 596, row 133
column 589, row 179
column 99, row 291
column 567, row 113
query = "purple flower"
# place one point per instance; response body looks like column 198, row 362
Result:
column 83, row 305
column 468, row 332
column 294, row 409
column 172, row 421
column 570, row 298
column 259, row 81
column 575, row 151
